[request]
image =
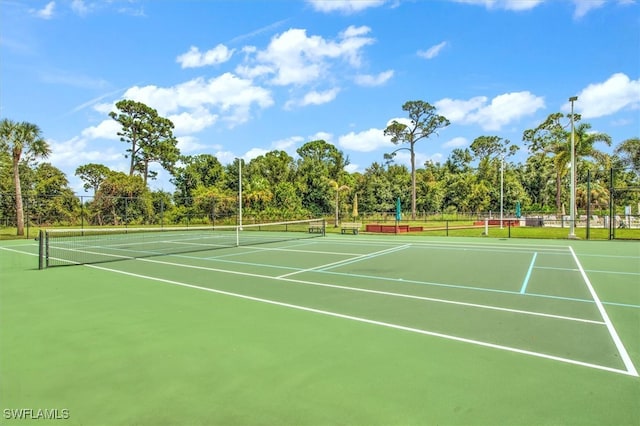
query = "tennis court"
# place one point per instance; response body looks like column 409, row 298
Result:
column 336, row 329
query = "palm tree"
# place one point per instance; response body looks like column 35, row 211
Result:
column 585, row 141
column 552, row 137
column 337, row 187
column 584, row 145
column 23, row 141
column 629, row 152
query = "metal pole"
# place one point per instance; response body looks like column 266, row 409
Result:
column 240, row 192
column 572, row 224
column 501, row 189
column 27, row 215
column 612, row 194
column 588, row 204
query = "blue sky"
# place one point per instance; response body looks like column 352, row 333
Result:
column 241, row 78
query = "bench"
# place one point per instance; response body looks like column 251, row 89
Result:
column 316, row 227
column 350, row 226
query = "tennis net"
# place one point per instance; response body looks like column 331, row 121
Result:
column 59, row 247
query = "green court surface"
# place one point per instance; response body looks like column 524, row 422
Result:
column 343, row 329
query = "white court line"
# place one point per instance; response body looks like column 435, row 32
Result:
column 373, row 322
column 19, row 251
column 256, row 248
column 347, row 261
column 631, row 369
column 561, row 249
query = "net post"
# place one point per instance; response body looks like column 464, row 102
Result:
column 46, row 248
column 324, row 227
column 41, row 249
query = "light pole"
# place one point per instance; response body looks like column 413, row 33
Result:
column 572, row 210
column 240, row 192
column 501, row 188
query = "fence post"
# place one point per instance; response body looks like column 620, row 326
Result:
column 611, row 206
column 588, row 204
column 27, row 216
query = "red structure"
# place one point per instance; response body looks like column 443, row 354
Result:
column 392, row 229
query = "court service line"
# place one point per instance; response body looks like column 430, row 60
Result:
column 373, row 322
column 379, row 292
column 295, row 250
column 523, row 289
column 409, row 281
column 346, row 261
column 596, row 271
column 560, row 249
column 631, row 369
column 555, row 268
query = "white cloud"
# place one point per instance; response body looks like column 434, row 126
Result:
column 193, row 121
column 231, row 96
column 319, row 98
column 402, row 120
column 227, row 157
column 254, row 153
column 503, row 109
column 252, row 72
column 79, row 150
column 365, row 141
column 187, row 144
column 325, row 136
column 582, row 7
column 293, row 58
column 374, row 80
column 107, row 129
column 79, row 7
column 505, row 4
column 456, row 142
column 433, row 51
column 618, row 92
column 132, row 11
column 46, row 12
column 103, row 108
column 287, row 144
column 194, row 58
column 352, row 168
column 456, row 109
column 344, row 6
column 585, row 6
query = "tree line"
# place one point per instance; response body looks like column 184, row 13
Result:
column 278, row 186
